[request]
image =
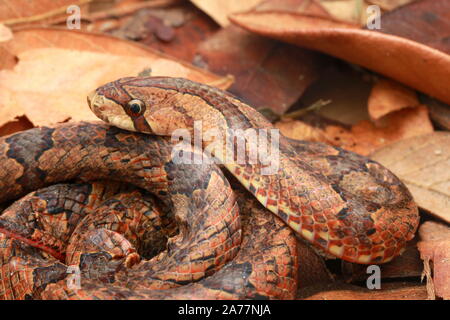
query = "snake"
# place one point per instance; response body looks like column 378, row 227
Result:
column 226, row 237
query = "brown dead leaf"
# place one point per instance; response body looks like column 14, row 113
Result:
column 345, row 91
column 439, row 112
column 399, row 125
column 299, row 6
column 424, row 22
column 258, row 63
column 191, row 27
column 24, row 11
column 5, row 33
column 176, row 30
column 387, row 96
column 300, row 130
column 435, row 246
column 364, row 137
column 220, row 9
column 341, row 291
column 404, row 60
column 434, row 231
column 389, row 5
column 142, row 24
column 58, row 68
column 349, row 11
column 18, row 124
column 423, row 164
column 104, row 10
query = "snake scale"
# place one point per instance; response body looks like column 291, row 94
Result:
column 79, row 235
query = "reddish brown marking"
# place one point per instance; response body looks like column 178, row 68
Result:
column 57, row 255
column 141, row 124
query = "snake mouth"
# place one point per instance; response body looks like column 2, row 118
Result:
column 97, row 106
column 109, row 111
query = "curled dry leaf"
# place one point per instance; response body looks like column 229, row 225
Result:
column 341, row 291
column 14, row 12
column 58, row 68
column 424, row 21
column 389, row 5
column 299, row 6
column 220, row 9
column 258, row 63
column 417, row 65
column 364, row 137
column 350, row 11
column 435, row 246
column 423, row 164
column 387, row 96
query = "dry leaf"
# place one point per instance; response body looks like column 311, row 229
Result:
column 424, row 22
column 387, row 96
column 350, row 11
column 439, row 112
column 343, row 90
column 389, row 5
column 300, row 6
column 220, row 9
column 296, row 129
column 435, row 246
column 258, row 63
column 18, row 124
column 25, row 11
column 58, row 68
column 364, row 137
column 402, row 124
column 191, row 27
column 5, row 33
column 340, row 291
column 415, row 64
column 423, row 164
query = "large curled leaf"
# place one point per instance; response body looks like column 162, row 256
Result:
column 419, row 59
column 57, row 68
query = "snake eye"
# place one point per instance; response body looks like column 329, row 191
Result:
column 136, row 107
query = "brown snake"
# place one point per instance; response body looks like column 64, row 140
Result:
column 343, row 203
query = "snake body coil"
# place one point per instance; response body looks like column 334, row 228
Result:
column 343, row 203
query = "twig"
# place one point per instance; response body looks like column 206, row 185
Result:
column 298, row 113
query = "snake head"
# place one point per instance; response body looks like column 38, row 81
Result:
column 143, row 104
column 114, row 104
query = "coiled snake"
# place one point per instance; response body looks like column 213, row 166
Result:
column 205, row 238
